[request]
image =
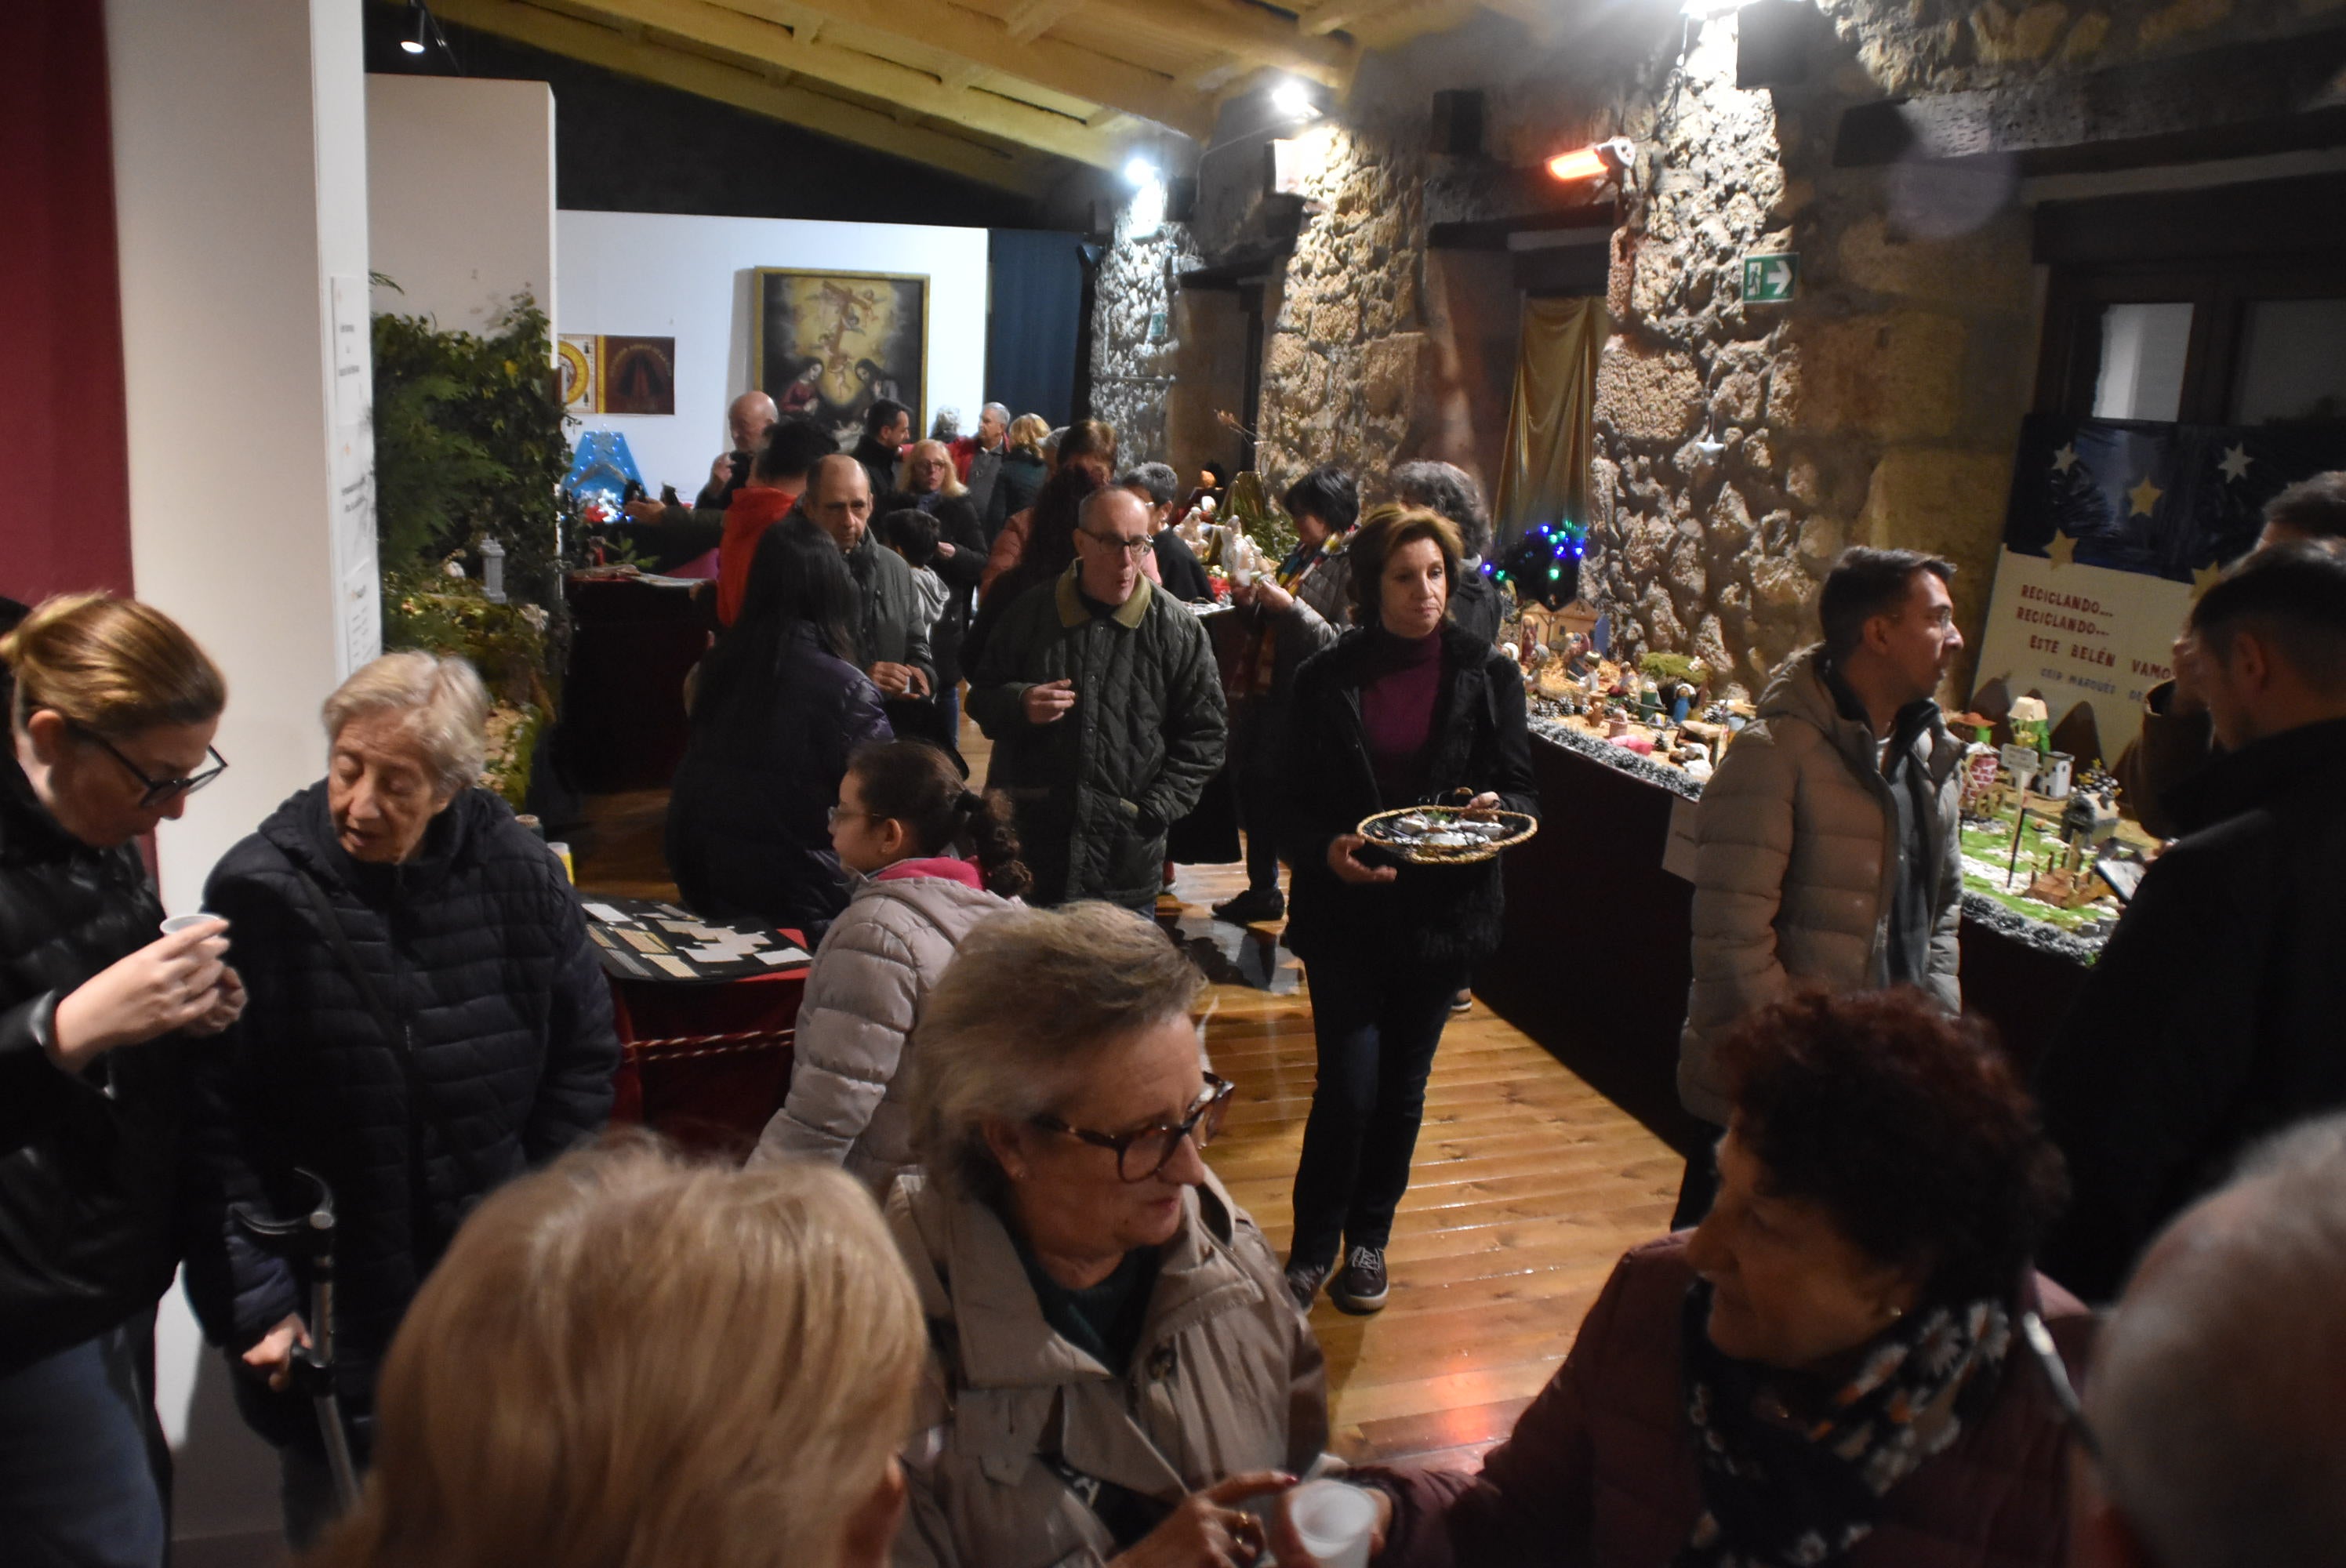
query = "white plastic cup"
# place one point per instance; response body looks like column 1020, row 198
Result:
column 1334, row 1521
column 182, row 922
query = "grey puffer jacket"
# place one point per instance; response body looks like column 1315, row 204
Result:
column 1226, row 1378
column 848, row 1098
column 1797, row 865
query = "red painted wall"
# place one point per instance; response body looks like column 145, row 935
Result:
column 65, row 487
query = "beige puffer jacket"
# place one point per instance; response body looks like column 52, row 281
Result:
column 847, row 1100
column 1226, row 1378
column 1796, row 866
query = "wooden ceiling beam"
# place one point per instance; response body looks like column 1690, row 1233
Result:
column 1048, row 62
column 1235, row 27
column 1037, row 17
column 1027, row 175
column 904, row 89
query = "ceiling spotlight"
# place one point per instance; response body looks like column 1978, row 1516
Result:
column 1139, row 172
column 416, row 45
column 1292, row 98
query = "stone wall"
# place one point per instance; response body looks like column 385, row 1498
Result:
column 1740, row 447
column 1131, row 375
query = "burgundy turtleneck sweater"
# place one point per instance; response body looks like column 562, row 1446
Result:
column 1397, row 712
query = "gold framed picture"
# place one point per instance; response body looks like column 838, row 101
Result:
column 829, row 344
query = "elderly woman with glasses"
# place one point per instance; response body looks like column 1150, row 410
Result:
column 1116, row 1371
column 1835, row 1366
column 427, row 1019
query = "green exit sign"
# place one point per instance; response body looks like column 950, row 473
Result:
column 1771, row 279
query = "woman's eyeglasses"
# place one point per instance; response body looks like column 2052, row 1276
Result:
column 1141, row 1155
column 159, row 790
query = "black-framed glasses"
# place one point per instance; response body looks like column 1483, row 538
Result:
column 2056, row 1371
column 1141, row 1155
column 1135, row 548
column 159, row 790
column 831, row 816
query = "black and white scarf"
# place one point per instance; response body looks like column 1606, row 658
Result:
column 1780, row 1495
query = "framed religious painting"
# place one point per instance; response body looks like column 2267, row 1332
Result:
column 637, row 375
column 830, row 345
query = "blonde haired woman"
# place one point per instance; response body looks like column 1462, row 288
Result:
column 428, row 1019
column 111, row 709
column 1023, row 469
column 628, row 1361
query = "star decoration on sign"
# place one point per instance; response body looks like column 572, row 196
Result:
column 2065, row 458
column 2236, row 463
column 2064, row 551
column 2143, row 497
column 2204, row 578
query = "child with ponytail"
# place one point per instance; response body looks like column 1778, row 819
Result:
column 903, row 820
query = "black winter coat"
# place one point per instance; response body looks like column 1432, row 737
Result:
column 88, row 1163
column 1014, row 489
column 478, row 945
column 1326, row 783
column 1096, row 789
column 2216, row 1013
column 749, row 828
column 1478, row 608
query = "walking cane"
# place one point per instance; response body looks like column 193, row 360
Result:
column 310, row 1237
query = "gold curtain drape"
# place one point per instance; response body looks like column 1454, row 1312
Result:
column 1544, row 475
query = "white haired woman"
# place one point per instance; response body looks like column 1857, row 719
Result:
column 1114, row 1366
column 426, row 1020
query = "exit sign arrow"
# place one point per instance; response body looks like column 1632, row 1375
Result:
column 1771, row 279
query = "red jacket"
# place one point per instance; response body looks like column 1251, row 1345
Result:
column 754, row 510
column 1600, row 1470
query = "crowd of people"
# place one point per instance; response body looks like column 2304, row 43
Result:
column 976, row 1297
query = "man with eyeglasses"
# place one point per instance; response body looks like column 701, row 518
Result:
column 1102, row 699
column 2214, row 1428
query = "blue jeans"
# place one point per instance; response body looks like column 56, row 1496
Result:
column 83, row 1465
column 1376, row 1023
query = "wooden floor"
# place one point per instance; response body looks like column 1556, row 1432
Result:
column 1528, row 1185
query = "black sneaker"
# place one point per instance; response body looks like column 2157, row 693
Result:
column 1464, row 1002
column 1361, row 1289
column 1303, row 1283
column 1252, row 905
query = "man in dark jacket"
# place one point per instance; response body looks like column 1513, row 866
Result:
column 887, row 426
column 427, row 1020
column 2213, row 1015
column 891, row 636
column 1102, row 700
column 2175, row 742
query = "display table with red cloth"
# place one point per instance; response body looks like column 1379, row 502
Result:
column 707, row 1066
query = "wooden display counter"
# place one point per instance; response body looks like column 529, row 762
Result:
column 1595, row 962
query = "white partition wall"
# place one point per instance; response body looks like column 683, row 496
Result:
column 239, row 149
column 656, row 275
column 239, row 172
column 460, row 195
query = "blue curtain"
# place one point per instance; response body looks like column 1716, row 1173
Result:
column 1030, row 334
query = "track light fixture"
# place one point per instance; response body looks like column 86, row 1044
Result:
column 418, row 42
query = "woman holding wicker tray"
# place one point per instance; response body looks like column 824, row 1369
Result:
column 1404, row 711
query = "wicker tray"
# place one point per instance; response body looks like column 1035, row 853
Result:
column 1383, row 831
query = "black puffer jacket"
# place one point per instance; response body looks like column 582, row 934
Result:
column 749, row 832
column 1427, row 914
column 87, row 1162
column 478, row 945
